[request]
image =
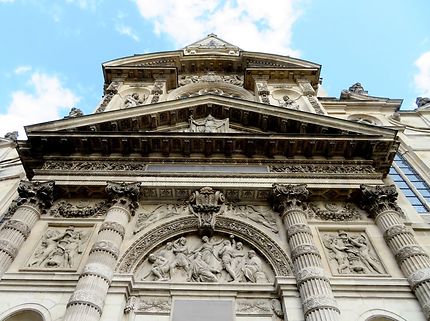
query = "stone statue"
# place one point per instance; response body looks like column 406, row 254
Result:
column 134, row 100
column 209, row 125
column 75, row 112
column 252, row 269
column 422, row 102
column 13, row 136
column 200, row 270
column 289, row 103
column 352, row 254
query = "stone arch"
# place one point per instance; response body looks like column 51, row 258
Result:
column 28, row 312
column 380, row 315
column 216, row 88
column 269, row 248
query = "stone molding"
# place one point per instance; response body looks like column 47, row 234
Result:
column 106, row 246
column 309, row 273
column 408, row 251
column 303, row 249
column 19, row 226
column 98, row 269
column 322, row 169
column 113, row 226
column 92, row 166
column 83, row 297
column 9, row 248
column 298, row 228
column 418, row 277
column 317, row 302
column 393, row 231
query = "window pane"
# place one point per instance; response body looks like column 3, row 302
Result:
column 408, row 192
column 414, row 200
column 420, row 185
column 396, row 178
column 414, row 178
column 420, row 209
column 402, row 185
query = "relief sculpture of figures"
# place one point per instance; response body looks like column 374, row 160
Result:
column 134, row 100
column 210, row 260
column 59, row 249
column 352, row 254
column 265, row 218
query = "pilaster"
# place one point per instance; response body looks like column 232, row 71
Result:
column 380, row 202
column 35, row 197
column 314, row 287
column 86, row 303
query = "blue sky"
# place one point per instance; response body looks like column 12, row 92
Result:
column 52, row 51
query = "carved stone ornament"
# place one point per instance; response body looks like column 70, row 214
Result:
column 82, row 208
column 418, row 277
column 134, row 100
column 422, row 102
column 206, row 204
column 151, row 305
column 160, row 212
column 287, row 102
column 208, row 125
column 351, row 253
column 123, row 193
column 110, row 92
column 379, row 198
column 263, row 92
column 74, row 112
column 332, row 211
column 84, row 297
column 106, row 246
column 408, row 251
column 9, row 248
column 284, row 197
column 309, row 273
column 217, row 259
column 13, row 136
column 298, row 228
column 394, row 231
column 319, row 302
column 92, row 166
column 98, row 269
column 262, row 216
column 60, row 248
column 36, row 192
column 253, row 306
column 322, row 169
column 17, row 226
column 211, row 77
column 315, row 104
column 113, row 226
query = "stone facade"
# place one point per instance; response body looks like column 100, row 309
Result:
column 218, row 183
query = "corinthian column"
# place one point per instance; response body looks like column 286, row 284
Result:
column 86, row 303
column 34, row 199
column 314, row 287
column 380, row 202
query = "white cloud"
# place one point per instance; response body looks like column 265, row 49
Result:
column 127, row 31
column 253, row 25
column 22, row 69
column 422, row 78
column 48, row 98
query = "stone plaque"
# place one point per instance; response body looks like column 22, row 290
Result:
column 198, row 310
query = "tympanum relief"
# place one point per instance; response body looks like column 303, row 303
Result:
column 351, row 253
column 60, row 248
column 218, row 259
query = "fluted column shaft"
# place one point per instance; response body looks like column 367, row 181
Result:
column 380, row 202
column 34, row 198
column 86, row 303
column 314, row 286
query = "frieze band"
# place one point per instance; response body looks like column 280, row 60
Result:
column 319, row 302
column 298, row 228
column 18, row 226
column 106, row 246
column 304, row 249
column 409, row 251
column 113, row 226
column 98, row 269
column 86, row 298
column 308, row 273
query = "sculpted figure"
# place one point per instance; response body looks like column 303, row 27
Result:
column 200, row 270
column 160, row 267
column 422, row 101
column 227, row 253
column 207, row 252
column 133, row 100
column 289, row 103
column 340, row 253
column 181, row 251
column 363, row 253
column 252, row 268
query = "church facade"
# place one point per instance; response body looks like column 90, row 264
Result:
column 215, row 183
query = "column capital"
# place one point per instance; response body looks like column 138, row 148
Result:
column 379, row 198
column 124, row 193
column 40, row 193
column 289, row 196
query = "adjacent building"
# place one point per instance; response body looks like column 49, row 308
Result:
column 215, row 183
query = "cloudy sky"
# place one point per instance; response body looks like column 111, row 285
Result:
column 52, row 51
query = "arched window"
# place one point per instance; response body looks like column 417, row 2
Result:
column 26, row 315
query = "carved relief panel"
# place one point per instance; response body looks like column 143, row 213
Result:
column 259, row 308
column 78, row 208
column 351, row 253
column 219, row 259
column 334, row 211
column 60, row 248
column 154, row 213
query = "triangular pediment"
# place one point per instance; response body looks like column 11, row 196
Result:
column 157, row 130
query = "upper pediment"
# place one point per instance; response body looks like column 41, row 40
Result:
column 169, row 115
